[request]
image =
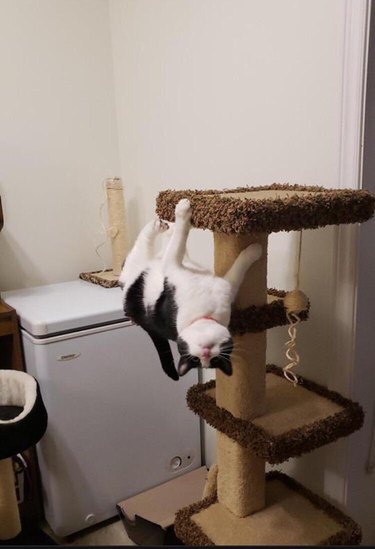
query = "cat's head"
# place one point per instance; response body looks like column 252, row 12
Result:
column 205, row 343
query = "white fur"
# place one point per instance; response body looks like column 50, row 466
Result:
column 198, row 294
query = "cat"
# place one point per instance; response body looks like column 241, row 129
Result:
column 174, row 300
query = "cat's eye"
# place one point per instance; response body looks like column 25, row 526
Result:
column 195, row 360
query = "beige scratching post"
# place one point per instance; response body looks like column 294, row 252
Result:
column 117, row 229
column 260, row 416
column 117, row 234
column 241, row 474
column 10, row 523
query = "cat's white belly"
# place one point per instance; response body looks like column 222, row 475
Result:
column 154, row 285
column 202, row 296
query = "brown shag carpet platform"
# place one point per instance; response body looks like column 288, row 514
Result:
column 293, row 515
column 297, row 419
column 258, row 318
column 273, row 208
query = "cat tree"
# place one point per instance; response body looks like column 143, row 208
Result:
column 259, row 415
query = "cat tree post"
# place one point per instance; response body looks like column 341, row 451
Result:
column 241, row 477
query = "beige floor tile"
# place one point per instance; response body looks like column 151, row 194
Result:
column 111, row 532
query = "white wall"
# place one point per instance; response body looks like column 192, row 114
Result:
column 226, row 93
column 58, row 137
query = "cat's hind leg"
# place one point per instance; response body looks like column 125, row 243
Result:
column 175, row 251
column 236, row 274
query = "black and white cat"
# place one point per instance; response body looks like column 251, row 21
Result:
column 173, row 300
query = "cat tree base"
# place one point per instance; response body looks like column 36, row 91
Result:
column 292, row 516
column 103, row 278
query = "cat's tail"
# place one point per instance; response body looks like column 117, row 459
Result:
column 165, row 354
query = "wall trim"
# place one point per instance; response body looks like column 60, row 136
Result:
column 345, row 268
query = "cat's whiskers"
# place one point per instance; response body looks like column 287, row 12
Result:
column 240, row 349
column 223, row 353
column 238, row 345
column 236, row 354
column 226, row 351
column 186, row 356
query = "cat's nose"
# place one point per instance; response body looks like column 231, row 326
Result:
column 206, row 352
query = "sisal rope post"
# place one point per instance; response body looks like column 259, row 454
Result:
column 241, row 474
column 10, row 523
column 117, row 229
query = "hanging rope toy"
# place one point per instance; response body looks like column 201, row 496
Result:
column 295, row 302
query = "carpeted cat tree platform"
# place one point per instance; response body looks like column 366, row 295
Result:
column 259, row 414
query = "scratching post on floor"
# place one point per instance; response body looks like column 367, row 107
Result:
column 260, row 416
column 116, row 231
column 117, row 228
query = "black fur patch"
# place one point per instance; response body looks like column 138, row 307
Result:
column 165, row 354
column 163, row 316
column 159, row 322
column 133, row 305
column 223, row 361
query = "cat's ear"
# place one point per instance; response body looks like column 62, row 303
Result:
column 225, row 366
column 183, row 366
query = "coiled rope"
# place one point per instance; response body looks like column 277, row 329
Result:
column 295, row 302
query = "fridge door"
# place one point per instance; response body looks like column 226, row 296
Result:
column 117, row 424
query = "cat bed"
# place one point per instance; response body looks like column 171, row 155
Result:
column 293, row 516
column 23, row 421
column 23, row 417
column 268, row 209
column 297, row 419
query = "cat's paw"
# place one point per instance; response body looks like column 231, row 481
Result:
column 160, row 226
column 183, row 209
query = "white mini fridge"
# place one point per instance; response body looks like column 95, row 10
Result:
column 117, row 424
